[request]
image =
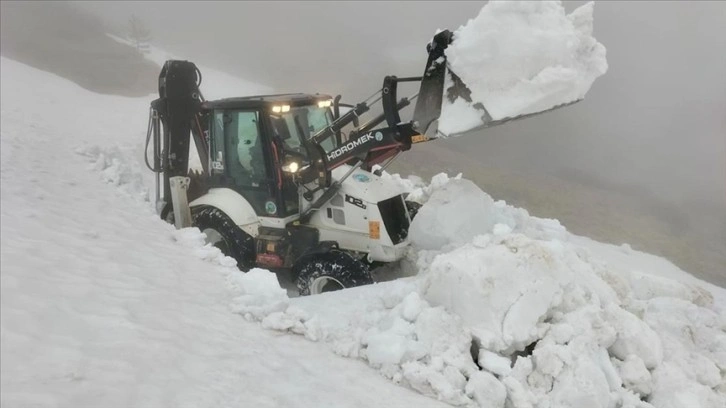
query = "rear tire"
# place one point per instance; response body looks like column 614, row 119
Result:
column 222, row 233
column 329, row 271
column 167, row 214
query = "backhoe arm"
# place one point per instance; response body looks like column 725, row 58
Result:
column 176, row 111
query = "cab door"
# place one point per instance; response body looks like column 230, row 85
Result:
column 240, row 158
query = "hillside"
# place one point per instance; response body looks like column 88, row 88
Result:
column 694, row 239
column 510, row 162
column 103, row 304
column 56, row 37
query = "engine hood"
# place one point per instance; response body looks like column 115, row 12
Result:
column 366, row 185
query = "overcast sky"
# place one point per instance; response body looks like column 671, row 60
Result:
column 656, row 120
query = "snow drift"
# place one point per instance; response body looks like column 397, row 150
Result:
column 519, row 58
column 517, row 312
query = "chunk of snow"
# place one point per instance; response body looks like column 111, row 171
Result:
column 635, row 375
column 411, row 306
column 456, row 213
column 494, row 363
column 458, row 116
column 521, row 57
column 634, row 337
column 386, row 348
column 486, row 390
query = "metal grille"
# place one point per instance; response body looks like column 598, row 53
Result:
column 393, row 212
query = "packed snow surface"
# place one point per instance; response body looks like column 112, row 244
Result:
column 104, row 304
column 521, row 57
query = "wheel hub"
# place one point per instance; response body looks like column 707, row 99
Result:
column 324, row 284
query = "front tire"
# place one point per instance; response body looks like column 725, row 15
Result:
column 222, row 233
column 329, row 271
column 412, row 208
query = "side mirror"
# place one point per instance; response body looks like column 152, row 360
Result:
column 336, row 107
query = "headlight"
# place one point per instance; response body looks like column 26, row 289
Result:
column 291, row 167
column 281, row 108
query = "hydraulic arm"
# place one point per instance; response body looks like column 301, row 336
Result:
column 373, row 146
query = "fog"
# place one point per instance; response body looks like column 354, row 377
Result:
column 652, row 128
column 656, row 120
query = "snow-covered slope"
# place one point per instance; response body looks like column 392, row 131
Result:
column 103, row 304
column 215, row 83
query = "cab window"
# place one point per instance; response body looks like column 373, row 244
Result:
column 237, row 152
column 299, row 124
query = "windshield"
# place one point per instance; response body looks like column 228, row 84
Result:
column 306, row 119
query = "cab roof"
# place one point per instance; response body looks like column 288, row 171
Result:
column 263, row 101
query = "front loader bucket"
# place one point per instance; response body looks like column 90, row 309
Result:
column 435, row 86
column 458, row 89
column 431, row 93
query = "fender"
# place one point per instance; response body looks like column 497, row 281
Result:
column 234, row 205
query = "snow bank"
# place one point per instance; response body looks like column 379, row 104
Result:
column 577, row 331
column 442, row 223
column 521, row 57
column 516, row 313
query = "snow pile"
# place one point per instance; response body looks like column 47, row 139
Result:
column 391, row 327
column 116, row 170
column 441, row 222
column 521, row 57
column 556, row 326
column 516, row 313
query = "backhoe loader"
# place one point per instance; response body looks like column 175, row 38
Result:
column 287, row 180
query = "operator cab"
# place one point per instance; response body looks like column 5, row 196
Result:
column 252, row 138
